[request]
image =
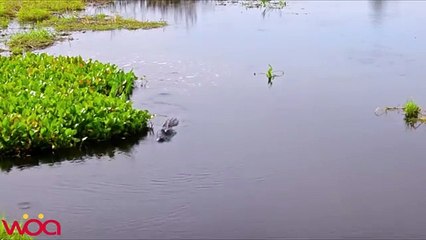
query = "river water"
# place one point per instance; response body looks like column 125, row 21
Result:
column 303, row 158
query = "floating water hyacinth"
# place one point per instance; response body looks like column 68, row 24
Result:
column 49, row 102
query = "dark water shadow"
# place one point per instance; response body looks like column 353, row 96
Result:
column 78, row 154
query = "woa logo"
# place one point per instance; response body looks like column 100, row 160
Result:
column 33, row 227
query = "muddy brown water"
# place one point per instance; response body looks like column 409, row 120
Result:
column 304, row 158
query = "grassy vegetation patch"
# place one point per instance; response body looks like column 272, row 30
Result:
column 36, row 10
column 9, row 8
column 31, row 40
column 33, row 14
column 56, row 6
column 50, row 13
column 49, row 102
column 99, row 22
column 4, row 22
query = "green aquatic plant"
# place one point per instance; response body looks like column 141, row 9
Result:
column 31, row 40
column 413, row 115
column 270, row 74
column 100, row 22
column 49, row 103
column 412, row 110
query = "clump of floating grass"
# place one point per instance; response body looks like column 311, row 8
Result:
column 49, row 103
column 413, row 115
column 31, row 40
column 99, row 22
column 412, row 110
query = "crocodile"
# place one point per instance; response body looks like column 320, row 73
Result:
column 167, row 132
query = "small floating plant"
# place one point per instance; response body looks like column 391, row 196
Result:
column 413, row 115
column 271, row 74
column 412, row 110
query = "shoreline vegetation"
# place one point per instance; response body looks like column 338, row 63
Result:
column 47, row 18
column 99, row 22
column 31, row 40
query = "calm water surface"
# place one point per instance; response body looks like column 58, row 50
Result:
column 304, row 158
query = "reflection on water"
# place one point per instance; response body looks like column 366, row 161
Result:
column 378, row 8
column 88, row 151
column 179, row 10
